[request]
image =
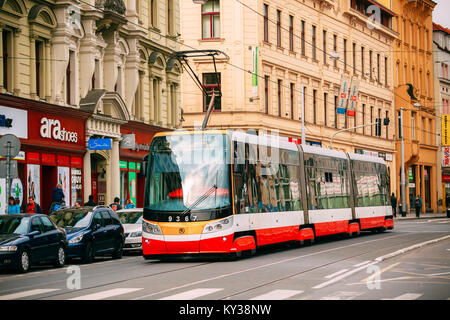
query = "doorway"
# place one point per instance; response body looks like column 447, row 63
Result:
column 49, row 177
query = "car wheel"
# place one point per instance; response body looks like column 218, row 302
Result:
column 24, row 262
column 89, row 253
column 60, row 257
column 118, row 250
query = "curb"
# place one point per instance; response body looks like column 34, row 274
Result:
column 402, row 251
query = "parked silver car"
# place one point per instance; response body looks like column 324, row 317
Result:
column 132, row 223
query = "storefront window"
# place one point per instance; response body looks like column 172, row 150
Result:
column 77, row 194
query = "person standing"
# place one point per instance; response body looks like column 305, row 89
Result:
column 91, row 202
column 32, row 206
column 12, row 206
column 418, row 205
column 116, row 204
column 394, row 204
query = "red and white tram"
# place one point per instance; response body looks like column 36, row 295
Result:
column 221, row 191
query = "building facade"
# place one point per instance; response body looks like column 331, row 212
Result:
column 413, row 64
column 277, row 47
column 441, row 54
column 108, row 63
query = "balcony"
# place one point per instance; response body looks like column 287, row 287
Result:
column 113, row 14
column 115, row 6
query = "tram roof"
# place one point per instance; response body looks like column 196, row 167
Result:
column 363, row 157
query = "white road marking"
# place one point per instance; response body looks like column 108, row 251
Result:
column 407, row 296
column 342, row 276
column 342, row 295
column 277, row 295
column 106, row 294
column 264, row 266
column 362, row 263
column 192, row 294
column 27, row 293
column 336, row 274
column 401, row 251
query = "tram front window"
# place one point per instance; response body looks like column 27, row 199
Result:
column 188, row 179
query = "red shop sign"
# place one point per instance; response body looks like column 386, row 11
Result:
column 445, row 177
column 56, row 129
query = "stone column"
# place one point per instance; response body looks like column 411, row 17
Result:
column 33, row 67
column 114, row 177
column 47, row 70
column 169, row 110
column 151, row 103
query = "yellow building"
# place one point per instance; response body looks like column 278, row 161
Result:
column 290, row 44
column 413, row 64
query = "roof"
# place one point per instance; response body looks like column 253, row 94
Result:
column 438, row 27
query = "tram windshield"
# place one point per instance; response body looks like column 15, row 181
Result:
column 188, row 174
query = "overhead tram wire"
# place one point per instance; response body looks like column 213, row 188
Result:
column 232, row 65
column 313, row 46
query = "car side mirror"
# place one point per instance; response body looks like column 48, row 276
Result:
column 33, row 233
column 97, row 226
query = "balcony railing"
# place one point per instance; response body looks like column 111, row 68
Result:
column 116, row 6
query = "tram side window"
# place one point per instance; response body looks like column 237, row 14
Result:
column 371, row 184
column 328, row 182
column 246, row 181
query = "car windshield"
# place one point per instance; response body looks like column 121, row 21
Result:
column 14, row 224
column 130, row 217
column 188, row 172
column 72, row 218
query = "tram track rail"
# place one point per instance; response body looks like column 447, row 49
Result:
column 248, row 289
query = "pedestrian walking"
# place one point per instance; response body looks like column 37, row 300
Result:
column 58, row 194
column 91, row 202
column 394, row 204
column 12, row 206
column 32, row 206
column 418, row 205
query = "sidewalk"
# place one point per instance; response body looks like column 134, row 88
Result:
column 412, row 215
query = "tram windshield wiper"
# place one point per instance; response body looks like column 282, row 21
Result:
column 199, row 200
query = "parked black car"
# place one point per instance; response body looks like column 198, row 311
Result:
column 91, row 231
column 27, row 239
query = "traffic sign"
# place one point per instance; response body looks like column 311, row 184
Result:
column 11, row 142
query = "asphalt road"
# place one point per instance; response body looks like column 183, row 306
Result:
column 366, row 267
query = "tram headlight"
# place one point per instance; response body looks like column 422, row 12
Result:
column 151, row 228
column 218, row 225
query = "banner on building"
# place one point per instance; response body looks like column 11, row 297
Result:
column 255, row 71
column 354, row 88
column 445, row 130
column 445, row 156
column 343, row 95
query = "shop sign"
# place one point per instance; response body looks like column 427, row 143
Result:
column 99, row 144
column 385, row 156
column 5, row 122
column 446, row 156
column 51, row 129
column 445, row 177
column 445, row 127
column 14, row 121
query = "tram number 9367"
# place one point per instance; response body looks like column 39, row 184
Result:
column 179, row 218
